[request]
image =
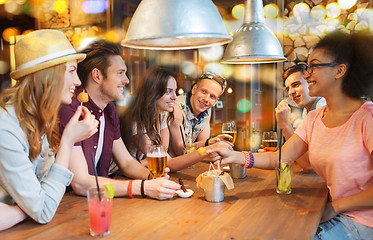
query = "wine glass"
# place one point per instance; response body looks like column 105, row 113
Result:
column 156, row 158
column 269, row 141
column 230, row 129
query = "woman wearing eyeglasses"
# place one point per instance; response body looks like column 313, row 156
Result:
column 339, row 136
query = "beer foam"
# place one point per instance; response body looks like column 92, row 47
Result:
column 155, row 154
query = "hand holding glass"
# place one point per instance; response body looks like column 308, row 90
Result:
column 230, row 129
column 156, row 158
column 269, row 141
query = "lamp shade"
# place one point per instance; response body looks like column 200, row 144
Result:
column 254, row 42
column 176, row 24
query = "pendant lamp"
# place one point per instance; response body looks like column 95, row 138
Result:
column 254, row 42
column 176, row 24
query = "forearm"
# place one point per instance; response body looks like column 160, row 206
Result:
column 135, row 170
column 10, row 216
column 266, row 160
column 64, row 152
column 304, row 163
column 183, row 161
column 287, row 130
column 360, row 201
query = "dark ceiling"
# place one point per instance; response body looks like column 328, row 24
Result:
column 227, row 3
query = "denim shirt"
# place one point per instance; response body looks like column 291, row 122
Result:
column 193, row 125
column 37, row 186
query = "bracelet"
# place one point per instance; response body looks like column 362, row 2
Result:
column 249, row 159
column 207, row 142
column 130, row 189
column 142, row 189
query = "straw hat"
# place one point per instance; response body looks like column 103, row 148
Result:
column 42, row 49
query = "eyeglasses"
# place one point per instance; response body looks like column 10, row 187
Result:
column 309, row 68
column 214, row 76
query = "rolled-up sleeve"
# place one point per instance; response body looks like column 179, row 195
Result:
column 37, row 196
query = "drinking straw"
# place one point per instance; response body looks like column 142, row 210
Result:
column 279, row 154
column 182, row 136
column 94, row 167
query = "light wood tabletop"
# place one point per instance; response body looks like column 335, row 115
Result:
column 252, row 210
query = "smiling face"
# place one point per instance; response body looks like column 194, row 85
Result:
column 71, row 81
column 297, row 88
column 322, row 81
column 166, row 102
column 113, row 85
column 205, row 95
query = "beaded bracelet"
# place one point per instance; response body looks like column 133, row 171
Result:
column 249, row 159
column 142, row 189
column 130, row 189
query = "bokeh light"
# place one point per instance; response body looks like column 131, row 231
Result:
column 188, row 68
column 95, row 6
column 12, row 7
column 214, row 68
column 243, row 105
column 333, row 10
column 214, row 53
column 10, row 32
column 318, row 12
column 230, row 90
column 180, row 91
column 238, row 11
column 27, row 31
column 346, row 4
column 270, row 11
column 301, row 10
column 3, row 1
column 4, row 67
column 60, row 6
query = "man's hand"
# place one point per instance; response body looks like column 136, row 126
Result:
column 283, row 112
column 160, row 188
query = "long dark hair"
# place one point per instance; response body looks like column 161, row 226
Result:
column 143, row 110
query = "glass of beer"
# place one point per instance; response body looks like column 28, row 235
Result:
column 269, row 141
column 230, row 129
column 156, row 158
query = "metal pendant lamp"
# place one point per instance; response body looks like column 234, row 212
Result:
column 176, row 24
column 254, row 42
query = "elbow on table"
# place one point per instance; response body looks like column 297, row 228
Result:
column 78, row 188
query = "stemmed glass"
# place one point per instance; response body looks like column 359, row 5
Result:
column 269, row 141
column 230, row 129
column 156, row 158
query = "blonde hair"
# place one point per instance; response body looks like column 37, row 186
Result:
column 36, row 99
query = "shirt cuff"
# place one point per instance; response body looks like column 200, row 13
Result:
column 61, row 174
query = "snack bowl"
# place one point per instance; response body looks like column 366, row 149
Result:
column 183, row 194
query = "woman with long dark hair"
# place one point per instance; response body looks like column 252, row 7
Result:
column 146, row 122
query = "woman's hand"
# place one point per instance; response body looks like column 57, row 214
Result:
column 160, row 188
column 226, row 155
column 78, row 130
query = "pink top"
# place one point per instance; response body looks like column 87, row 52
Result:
column 342, row 155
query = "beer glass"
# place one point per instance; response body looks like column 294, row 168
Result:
column 269, row 141
column 156, row 158
column 230, row 129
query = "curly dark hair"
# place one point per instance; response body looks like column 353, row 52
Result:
column 356, row 51
column 143, row 110
column 98, row 54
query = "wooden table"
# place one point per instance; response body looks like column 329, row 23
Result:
column 252, row 210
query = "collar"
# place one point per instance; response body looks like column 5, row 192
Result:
column 91, row 105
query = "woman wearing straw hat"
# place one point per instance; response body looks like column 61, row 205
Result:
column 34, row 160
